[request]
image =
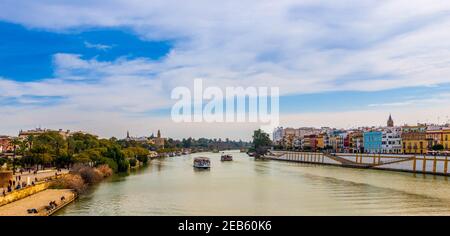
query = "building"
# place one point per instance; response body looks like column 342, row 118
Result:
column 391, row 142
column 136, row 139
column 292, row 138
column 5, row 144
column 390, row 122
column 356, row 142
column 39, row 131
column 310, row 142
column 290, row 135
column 321, row 141
column 414, row 139
column 438, row 135
column 446, row 138
column 346, row 141
column 334, row 142
column 297, row 143
column 159, row 141
column 373, row 141
column 277, row 135
column 434, row 136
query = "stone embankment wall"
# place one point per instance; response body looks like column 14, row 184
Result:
column 22, row 193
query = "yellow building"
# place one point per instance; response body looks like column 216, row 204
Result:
column 446, row 139
column 320, row 141
column 414, row 139
column 439, row 136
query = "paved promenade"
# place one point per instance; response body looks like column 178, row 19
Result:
column 37, row 201
column 41, row 175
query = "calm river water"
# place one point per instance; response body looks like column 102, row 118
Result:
column 244, row 186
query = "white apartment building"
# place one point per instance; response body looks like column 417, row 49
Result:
column 277, row 135
column 391, row 142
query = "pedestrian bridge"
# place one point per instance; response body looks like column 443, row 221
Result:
column 397, row 162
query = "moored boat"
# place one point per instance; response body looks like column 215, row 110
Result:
column 226, row 157
column 202, row 162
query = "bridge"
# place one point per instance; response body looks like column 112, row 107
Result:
column 437, row 165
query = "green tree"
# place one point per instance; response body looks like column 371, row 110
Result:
column 117, row 155
column 30, row 139
column 15, row 142
column 2, row 161
column 437, row 147
column 261, row 142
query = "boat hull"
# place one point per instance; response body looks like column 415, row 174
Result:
column 201, row 167
column 226, row 158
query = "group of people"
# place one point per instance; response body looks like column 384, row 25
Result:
column 17, row 184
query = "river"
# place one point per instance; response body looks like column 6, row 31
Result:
column 171, row 186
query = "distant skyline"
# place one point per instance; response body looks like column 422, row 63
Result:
column 108, row 66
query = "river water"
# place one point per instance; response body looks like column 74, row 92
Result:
column 171, row 186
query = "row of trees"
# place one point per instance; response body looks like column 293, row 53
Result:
column 212, row 143
column 52, row 150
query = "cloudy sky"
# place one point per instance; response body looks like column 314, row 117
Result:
column 109, row 66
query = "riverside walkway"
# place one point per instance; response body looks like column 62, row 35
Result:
column 40, row 176
column 39, row 201
column 437, row 165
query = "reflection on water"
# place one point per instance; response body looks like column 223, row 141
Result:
column 244, row 186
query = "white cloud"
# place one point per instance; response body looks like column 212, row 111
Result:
column 300, row 46
column 98, row 46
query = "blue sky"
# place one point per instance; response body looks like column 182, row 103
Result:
column 27, row 54
column 108, row 67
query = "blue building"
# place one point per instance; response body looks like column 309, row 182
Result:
column 372, row 141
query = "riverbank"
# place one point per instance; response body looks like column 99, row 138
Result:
column 39, row 201
column 52, row 194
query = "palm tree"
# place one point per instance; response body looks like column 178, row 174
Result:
column 15, row 142
column 30, row 140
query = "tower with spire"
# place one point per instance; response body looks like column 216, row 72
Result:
column 390, row 122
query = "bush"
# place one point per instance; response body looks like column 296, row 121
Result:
column 143, row 159
column 70, row 181
column 105, row 170
column 133, row 162
column 90, row 175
